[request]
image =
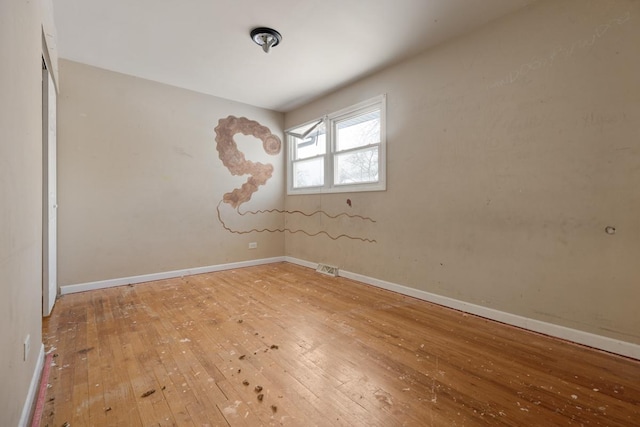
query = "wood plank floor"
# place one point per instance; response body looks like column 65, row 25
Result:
column 325, row 351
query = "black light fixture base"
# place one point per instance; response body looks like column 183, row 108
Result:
column 266, row 37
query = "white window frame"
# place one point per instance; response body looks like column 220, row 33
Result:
column 329, row 185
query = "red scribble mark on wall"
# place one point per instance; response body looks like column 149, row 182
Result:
column 235, row 161
column 282, row 230
column 364, row 218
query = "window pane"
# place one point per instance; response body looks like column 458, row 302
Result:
column 314, row 145
column 308, row 173
column 358, row 131
column 357, row 166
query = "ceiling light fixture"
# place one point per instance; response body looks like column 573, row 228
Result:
column 265, row 37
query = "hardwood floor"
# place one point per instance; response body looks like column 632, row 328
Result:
column 326, row 351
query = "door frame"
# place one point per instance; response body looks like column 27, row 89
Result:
column 49, row 189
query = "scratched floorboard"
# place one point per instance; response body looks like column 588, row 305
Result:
column 326, row 351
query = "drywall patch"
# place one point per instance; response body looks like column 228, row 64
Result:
column 235, row 161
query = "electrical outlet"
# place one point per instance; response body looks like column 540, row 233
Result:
column 27, row 347
column 253, row 245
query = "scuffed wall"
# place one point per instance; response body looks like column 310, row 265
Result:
column 510, row 150
column 20, row 203
column 140, row 179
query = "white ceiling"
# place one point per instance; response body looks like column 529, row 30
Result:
column 204, row 45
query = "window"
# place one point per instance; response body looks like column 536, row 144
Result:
column 343, row 151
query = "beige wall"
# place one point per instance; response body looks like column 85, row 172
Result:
column 20, row 202
column 140, row 178
column 509, row 151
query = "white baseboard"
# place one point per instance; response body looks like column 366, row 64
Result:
column 301, row 262
column 580, row 337
column 33, row 389
column 102, row 284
